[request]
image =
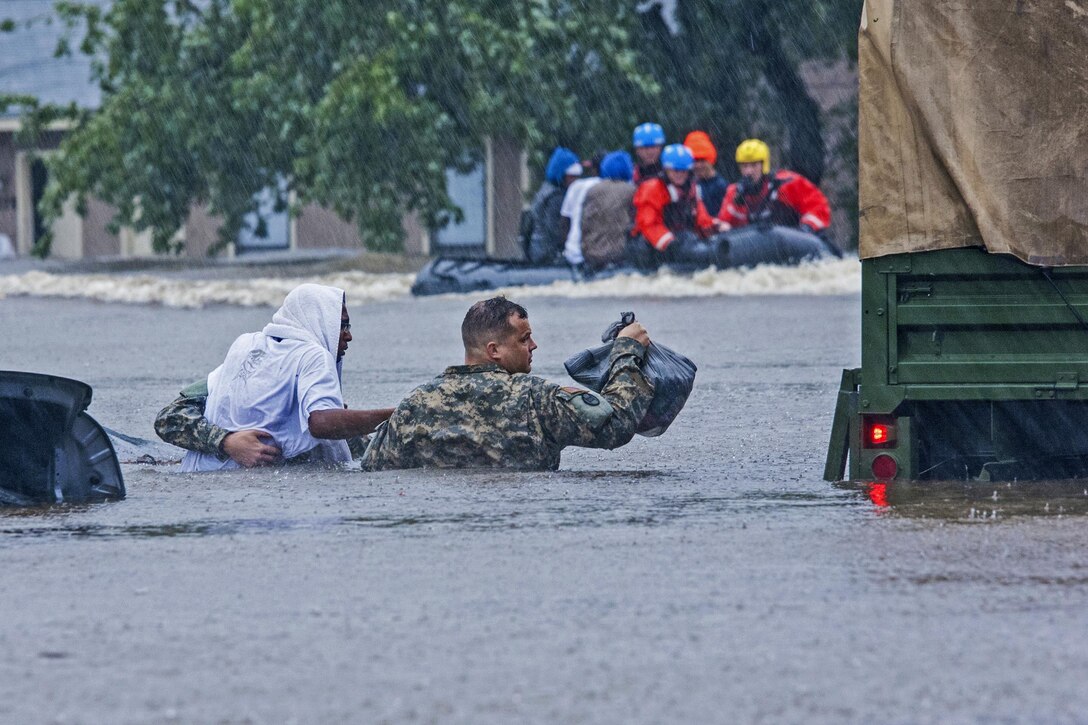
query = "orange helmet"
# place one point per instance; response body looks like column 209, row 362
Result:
column 702, row 148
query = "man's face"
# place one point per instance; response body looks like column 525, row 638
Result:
column 345, row 333
column 648, row 154
column 703, row 169
column 677, row 178
column 753, row 170
column 515, row 352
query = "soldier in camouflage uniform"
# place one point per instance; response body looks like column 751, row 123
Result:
column 183, row 424
column 489, row 412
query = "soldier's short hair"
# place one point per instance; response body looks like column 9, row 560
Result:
column 489, row 320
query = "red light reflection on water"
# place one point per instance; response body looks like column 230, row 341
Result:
column 878, row 493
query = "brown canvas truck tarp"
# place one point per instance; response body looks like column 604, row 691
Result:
column 973, row 120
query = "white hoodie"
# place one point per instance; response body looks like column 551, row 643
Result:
column 274, row 385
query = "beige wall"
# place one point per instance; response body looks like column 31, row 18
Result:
column 417, row 240
column 8, row 200
column 68, row 234
column 506, row 195
column 97, row 239
column 317, row 227
column 201, row 231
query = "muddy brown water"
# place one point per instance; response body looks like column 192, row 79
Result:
column 705, row 576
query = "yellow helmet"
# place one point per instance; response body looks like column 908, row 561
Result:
column 752, row 150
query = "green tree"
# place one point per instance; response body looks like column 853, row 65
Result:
column 357, row 106
column 733, row 69
column 362, row 106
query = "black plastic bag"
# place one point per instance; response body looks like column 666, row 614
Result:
column 671, row 373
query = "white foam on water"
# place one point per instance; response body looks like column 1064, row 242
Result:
column 147, row 289
column 826, row 277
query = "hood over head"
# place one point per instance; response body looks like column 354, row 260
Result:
column 310, row 313
column 618, row 166
column 561, row 160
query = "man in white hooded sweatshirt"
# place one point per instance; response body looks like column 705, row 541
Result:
column 284, row 382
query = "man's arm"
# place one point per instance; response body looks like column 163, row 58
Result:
column 650, row 200
column 342, row 424
column 606, row 419
column 808, row 201
column 182, row 423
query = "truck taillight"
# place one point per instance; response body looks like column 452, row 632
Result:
column 879, row 432
column 885, row 467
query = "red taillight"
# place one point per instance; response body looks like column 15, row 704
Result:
column 880, row 432
column 885, row 467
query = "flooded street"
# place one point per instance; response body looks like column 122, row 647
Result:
column 708, row 575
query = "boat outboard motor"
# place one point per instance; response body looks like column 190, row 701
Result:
column 51, row 451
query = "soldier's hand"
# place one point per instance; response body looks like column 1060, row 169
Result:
column 250, row 448
column 636, row 332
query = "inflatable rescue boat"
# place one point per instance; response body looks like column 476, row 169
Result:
column 745, row 247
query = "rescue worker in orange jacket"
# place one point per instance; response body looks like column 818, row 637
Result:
column 671, row 222
column 783, row 197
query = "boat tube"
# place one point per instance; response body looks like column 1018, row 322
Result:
column 745, row 247
column 51, row 450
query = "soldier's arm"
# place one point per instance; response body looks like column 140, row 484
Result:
column 182, row 423
column 382, row 452
column 606, row 419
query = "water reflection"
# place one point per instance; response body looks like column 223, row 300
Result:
column 458, row 509
column 975, row 501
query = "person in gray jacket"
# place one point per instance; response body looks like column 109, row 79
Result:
column 607, row 213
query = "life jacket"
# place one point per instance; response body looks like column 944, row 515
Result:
column 764, row 205
column 646, row 172
column 784, row 197
column 680, row 213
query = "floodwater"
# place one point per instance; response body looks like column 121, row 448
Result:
column 706, row 576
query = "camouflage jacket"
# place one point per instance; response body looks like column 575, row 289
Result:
column 182, row 423
column 481, row 415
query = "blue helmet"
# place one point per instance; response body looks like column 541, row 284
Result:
column 618, row 166
column 561, row 159
column 677, row 157
column 648, row 134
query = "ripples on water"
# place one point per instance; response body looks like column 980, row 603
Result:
column 543, row 510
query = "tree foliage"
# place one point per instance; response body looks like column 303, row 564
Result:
column 362, row 106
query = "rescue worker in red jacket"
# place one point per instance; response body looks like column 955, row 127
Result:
column 783, row 197
column 671, row 223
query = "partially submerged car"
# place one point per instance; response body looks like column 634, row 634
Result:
column 51, row 450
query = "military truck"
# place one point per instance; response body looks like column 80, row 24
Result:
column 973, row 176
